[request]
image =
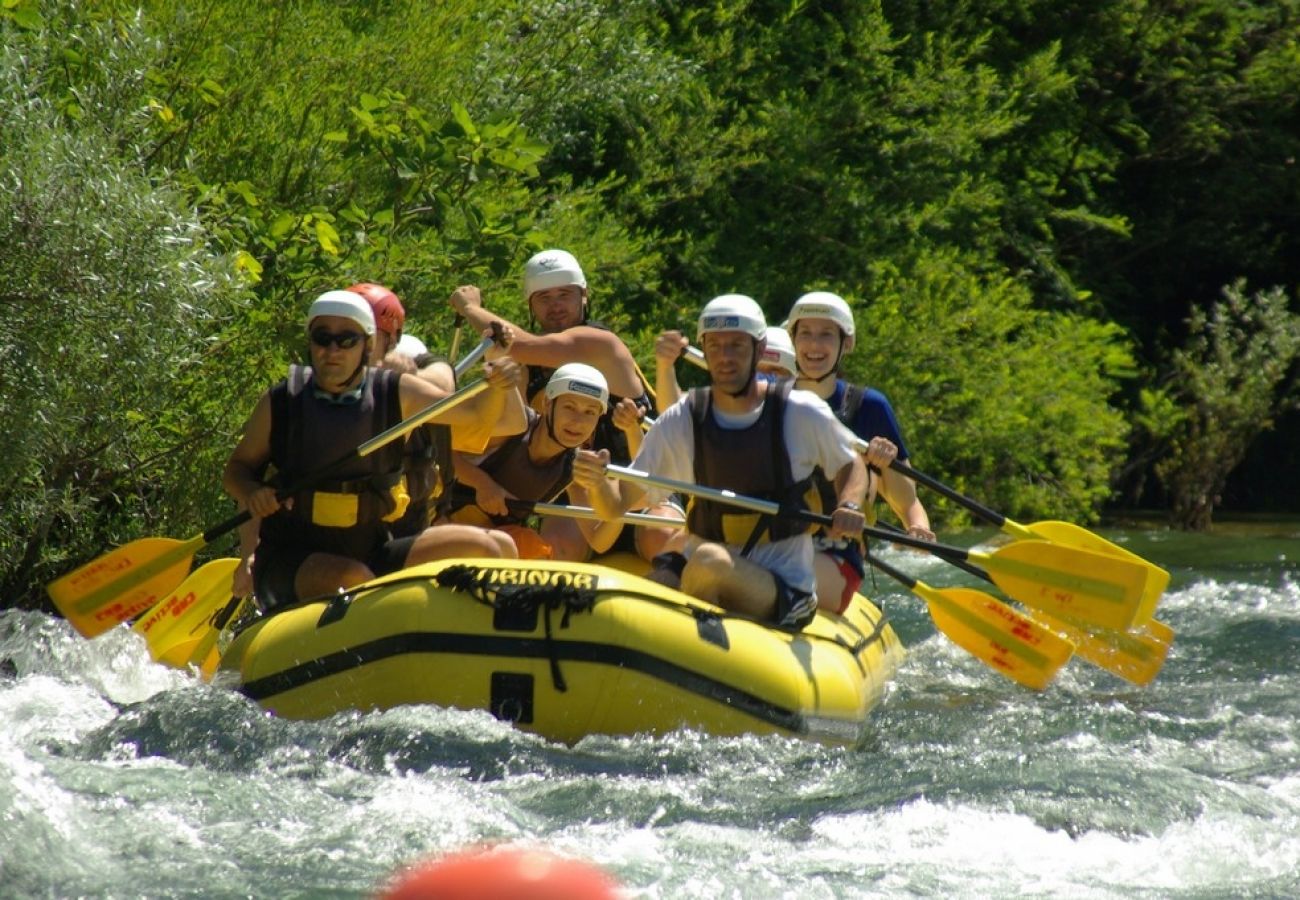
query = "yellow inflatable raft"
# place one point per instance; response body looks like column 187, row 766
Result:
column 565, row 650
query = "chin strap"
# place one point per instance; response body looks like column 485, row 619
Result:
column 550, row 432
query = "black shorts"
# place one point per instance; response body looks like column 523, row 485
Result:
column 275, row 567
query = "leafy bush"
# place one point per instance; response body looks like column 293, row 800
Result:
column 109, row 295
column 1226, row 385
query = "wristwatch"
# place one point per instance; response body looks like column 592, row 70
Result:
column 849, row 504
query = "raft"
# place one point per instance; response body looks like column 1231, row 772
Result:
column 565, row 650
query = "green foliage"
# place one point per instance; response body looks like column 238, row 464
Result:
column 1002, row 398
column 994, row 185
column 109, row 297
column 1236, row 373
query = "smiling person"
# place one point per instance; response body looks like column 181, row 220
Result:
column 754, row 437
column 537, row 465
column 337, row 534
column 822, row 328
column 555, row 288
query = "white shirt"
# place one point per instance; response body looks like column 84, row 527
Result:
column 813, row 437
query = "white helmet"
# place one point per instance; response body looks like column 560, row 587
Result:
column 780, row 349
column 732, row 312
column 551, row 269
column 346, row 305
column 580, row 379
column 822, row 305
column 411, row 346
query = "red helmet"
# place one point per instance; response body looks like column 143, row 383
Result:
column 389, row 314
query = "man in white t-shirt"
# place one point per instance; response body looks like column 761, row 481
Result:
column 755, row 438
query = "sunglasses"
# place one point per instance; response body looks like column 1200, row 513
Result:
column 344, row 340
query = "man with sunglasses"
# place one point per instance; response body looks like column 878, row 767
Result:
column 338, row 533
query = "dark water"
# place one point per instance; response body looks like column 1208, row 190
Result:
column 120, row 778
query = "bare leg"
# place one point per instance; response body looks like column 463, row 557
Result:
column 322, row 574
column 566, row 539
column 715, row 574
column 447, row 541
column 651, row 540
column 830, row 582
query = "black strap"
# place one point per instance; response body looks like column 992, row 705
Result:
column 850, row 403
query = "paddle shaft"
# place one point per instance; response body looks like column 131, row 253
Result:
column 456, row 326
column 979, row 509
column 472, row 357
column 586, row 512
column 770, row 507
column 401, row 429
column 964, row 564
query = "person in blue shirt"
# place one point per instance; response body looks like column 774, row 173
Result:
column 822, row 329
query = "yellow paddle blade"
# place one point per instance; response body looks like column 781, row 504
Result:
column 122, row 583
column 1136, row 656
column 1070, row 535
column 1075, row 584
column 993, row 632
column 174, row 624
column 206, row 654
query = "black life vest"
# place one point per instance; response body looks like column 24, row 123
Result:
column 308, row 433
column 427, row 468
column 512, row 468
column 752, row 461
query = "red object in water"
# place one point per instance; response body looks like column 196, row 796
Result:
column 503, row 874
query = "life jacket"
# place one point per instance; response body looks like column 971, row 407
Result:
column 355, row 503
column 512, row 468
column 846, row 411
column 751, row 461
column 426, row 465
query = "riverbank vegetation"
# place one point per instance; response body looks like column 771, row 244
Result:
column 1069, row 229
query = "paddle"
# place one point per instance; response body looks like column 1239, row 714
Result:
column 129, row 579
column 473, row 356
column 172, row 626
column 1076, row 584
column 1014, row 645
column 1136, row 655
column 1061, row 533
column 206, row 656
column 695, row 356
column 979, row 623
column 456, row 326
column 586, row 512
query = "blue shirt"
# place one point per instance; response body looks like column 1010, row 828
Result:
column 875, row 417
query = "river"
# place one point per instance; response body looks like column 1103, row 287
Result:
column 121, row 778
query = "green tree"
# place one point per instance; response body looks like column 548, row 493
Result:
column 1238, row 371
column 109, row 297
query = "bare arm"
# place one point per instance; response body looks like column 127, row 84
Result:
column 669, row 347
column 501, row 405
column 627, row 418
column 241, row 476
column 851, row 487
column 899, row 492
column 600, row 535
column 489, row 495
column 594, row 346
column 608, row 497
